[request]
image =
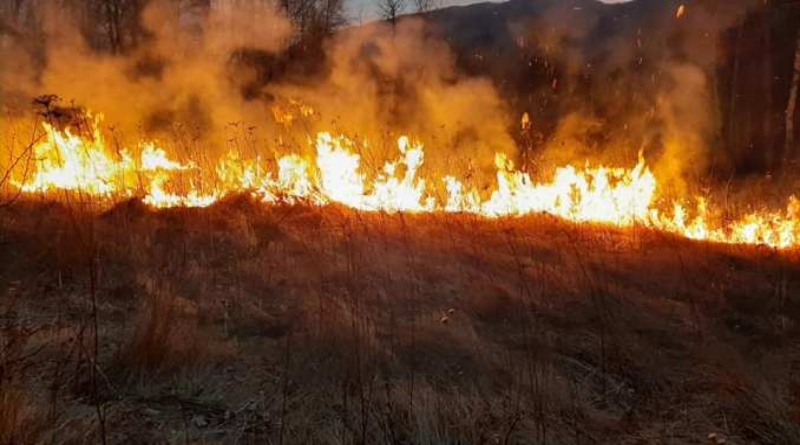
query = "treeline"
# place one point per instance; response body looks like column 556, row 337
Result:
column 116, row 26
column 619, row 64
column 760, row 73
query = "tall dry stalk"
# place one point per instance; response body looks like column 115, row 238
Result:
column 24, row 160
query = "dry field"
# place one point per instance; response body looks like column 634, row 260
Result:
column 245, row 323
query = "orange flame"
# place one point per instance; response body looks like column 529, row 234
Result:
column 619, row 197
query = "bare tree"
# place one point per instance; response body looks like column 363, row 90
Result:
column 300, row 13
column 390, row 9
column 19, row 17
column 9, row 15
column 11, row 8
column 111, row 25
column 423, row 6
column 314, row 19
column 331, row 15
column 6, row 28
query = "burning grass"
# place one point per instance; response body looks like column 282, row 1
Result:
column 63, row 162
column 307, row 324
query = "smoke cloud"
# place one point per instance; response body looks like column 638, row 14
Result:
column 386, row 80
column 625, row 81
column 188, row 83
column 634, row 77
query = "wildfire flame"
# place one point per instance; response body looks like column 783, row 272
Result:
column 621, row 197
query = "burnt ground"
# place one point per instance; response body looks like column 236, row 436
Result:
column 244, row 323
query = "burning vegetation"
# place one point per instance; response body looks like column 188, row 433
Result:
column 305, row 140
column 622, row 197
column 534, row 221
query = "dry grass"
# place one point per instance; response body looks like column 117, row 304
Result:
column 20, row 421
column 249, row 324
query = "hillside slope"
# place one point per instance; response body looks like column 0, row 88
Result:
column 249, row 324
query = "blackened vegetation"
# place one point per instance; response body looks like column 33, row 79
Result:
column 53, row 111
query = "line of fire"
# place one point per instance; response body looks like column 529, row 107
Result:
column 399, row 221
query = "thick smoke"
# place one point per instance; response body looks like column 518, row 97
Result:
column 178, row 77
column 386, row 80
column 685, row 113
column 628, row 78
column 635, row 77
column 183, row 85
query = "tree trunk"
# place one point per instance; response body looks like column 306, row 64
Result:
column 767, row 79
column 791, row 107
column 731, row 133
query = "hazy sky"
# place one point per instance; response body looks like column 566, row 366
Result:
column 368, row 9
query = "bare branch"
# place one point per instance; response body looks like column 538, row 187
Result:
column 423, row 6
column 391, row 9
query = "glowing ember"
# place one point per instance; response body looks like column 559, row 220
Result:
column 614, row 196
